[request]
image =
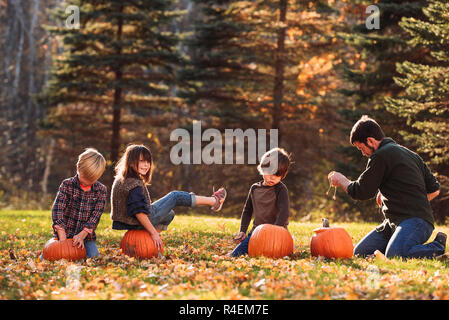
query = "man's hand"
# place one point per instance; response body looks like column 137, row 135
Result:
column 431, row 196
column 379, row 199
column 336, row 179
column 78, row 240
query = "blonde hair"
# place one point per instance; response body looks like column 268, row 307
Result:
column 91, row 164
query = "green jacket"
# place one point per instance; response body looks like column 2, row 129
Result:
column 404, row 180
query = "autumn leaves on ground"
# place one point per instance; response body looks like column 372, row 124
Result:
column 195, row 266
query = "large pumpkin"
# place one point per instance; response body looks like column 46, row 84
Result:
column 55, row 250
column 270, row 241
column 138, row 243
column 331, row 242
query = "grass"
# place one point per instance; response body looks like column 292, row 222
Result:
column 195, row 266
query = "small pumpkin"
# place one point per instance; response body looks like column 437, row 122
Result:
column 331, row 242
column 139, row 244
column 55, row 250
column 270, row 241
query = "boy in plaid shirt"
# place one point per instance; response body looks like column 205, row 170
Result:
column 79, row 203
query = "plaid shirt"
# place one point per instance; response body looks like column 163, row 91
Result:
column 75, row 210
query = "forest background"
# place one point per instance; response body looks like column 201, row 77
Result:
column 134, row 71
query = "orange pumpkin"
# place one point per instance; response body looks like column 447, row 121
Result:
column 331, row 242
column 138, row 243
column 56, row 250
column 270, row 241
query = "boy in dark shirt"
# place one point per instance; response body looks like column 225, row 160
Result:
column 404, row 187
column 268, row 200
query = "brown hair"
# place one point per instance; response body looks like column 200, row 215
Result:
column 129, row 162
column 283, row 162
column 364, row 129
column 91, row 164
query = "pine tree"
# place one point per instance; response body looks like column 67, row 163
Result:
column 116, row 70
column 369, row 72
column 264, row 64
column 425, row 102
column 246, row 58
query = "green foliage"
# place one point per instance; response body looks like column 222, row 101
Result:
column 426, row 91
column 115, row 72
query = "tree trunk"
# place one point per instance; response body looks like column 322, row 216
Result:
column 115, row 142
column 278, row 91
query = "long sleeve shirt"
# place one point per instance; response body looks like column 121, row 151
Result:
column 268, row 204
column 402, row 177
column 75, row 210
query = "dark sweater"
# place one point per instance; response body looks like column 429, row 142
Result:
column 124, row 207
column 269, row 204
column 404, row 180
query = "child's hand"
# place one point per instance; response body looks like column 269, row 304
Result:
column 157, row 241
column 78, row 240
column 240, row 237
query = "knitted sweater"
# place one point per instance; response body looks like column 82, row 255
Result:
column 119, row 195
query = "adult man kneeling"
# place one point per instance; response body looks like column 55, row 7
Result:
column 404, row 187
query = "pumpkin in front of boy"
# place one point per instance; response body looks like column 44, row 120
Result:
column 270, row 241
column 139, row 244
column 56, row 250
column 331, row 242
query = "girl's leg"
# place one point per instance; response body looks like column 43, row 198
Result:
column 161, row 211
column 215, row 201
column 91, row 248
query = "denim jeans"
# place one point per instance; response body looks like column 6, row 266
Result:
column 161, row 211
column 242, row 248
column 406, row 241
column 91, row 249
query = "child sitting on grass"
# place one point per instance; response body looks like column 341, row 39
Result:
column 131, row 206
column 79, row 203
column 268, row 199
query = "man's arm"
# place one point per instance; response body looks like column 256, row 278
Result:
column 366, row 186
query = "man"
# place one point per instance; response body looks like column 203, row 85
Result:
column 404, row 187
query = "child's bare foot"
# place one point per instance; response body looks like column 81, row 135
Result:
column 220, row 196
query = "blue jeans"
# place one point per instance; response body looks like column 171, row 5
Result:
column 161, row 211
column 406, row 241
column 91, row 249
column 242, row 248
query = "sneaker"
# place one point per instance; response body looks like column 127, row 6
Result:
column 220, row 196
column 441, row 237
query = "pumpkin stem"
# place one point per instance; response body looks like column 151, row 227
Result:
column 325, row 223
